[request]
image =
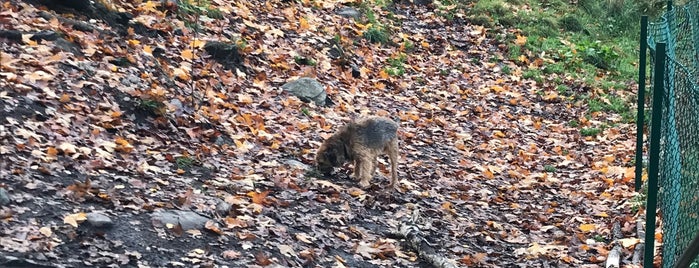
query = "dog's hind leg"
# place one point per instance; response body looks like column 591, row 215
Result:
column 392, row 150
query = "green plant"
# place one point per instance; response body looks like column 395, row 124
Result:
column 594, row 105
column 570, row 23
column 562, row 89
column 600, row 55
column 549, row 168
column 598, row 238
column 533, row 74
column 189, row 8
column 638, row 201
column 408, row 46
column 573, row 123
column 304, row 61
column 590, row 131
column 554, row 68
column 376, row 34
column 305, row 111
column 506, row 69
column 184, row 162
column 396, row 65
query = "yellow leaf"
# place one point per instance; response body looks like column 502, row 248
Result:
column 628, row 242
column 609, row 158
column 46, row 231
column 383, row 74
column 67, row 148
column 244, row 98
column 602, row 214
column 523, row 58
column 65, row 98
column 148, row 50
column 551, row 96
column 488, row 174
column 259, row 198
column 150, row 6
column 521, row 40
column 75, row 219
column 460, row 145
column 447, row 205
column 133, row 42
column 187, row 54
column 198, row 43
column 587, row 227
column 303, row 24
column 355, row 192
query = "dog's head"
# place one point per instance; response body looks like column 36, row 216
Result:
column 333, row 153
column 326, row 159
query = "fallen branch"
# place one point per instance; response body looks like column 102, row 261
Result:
column 423, row 249
column 638, row 251
column 410, row 232
column 615, row 254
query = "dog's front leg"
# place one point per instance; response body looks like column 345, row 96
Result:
column 362, row 172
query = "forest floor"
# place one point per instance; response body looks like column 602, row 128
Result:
column 113, row 126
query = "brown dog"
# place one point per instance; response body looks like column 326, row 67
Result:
column 361, row 141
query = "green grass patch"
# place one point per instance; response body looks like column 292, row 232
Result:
column 376, row 34
column 396, row 65
column 184, row 162
column 587, row 132
column 549, row 168
column 592, row 42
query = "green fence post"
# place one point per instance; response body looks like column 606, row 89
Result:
column 641, row 98
column 654, row 154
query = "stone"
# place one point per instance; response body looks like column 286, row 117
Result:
column 349, row 12
column 307, row 89
column 295, row 164
column 223, row 208
column 4, row 197
column 187, row 219
column 98, row 219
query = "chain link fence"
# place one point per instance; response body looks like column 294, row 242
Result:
column 678, row 155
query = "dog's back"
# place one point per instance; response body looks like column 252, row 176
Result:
column 375, row 132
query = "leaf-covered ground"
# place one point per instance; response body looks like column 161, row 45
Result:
column 129, row 123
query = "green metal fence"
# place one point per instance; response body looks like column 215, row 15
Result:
column 673, row 172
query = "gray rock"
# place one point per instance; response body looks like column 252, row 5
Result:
column 177, row 104
column 307, row 89
column 187, row 219
column 295, row 164
column 98, row 219
column 349, row 12
column 223, row 208
column 4, row 197
column 131, row 80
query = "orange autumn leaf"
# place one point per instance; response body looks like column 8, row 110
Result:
column 587, row 227
column 51, row 151
column 65, row 98
column 259, row 198
column 303, row 24
column 187, row 54
column 488, row 174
